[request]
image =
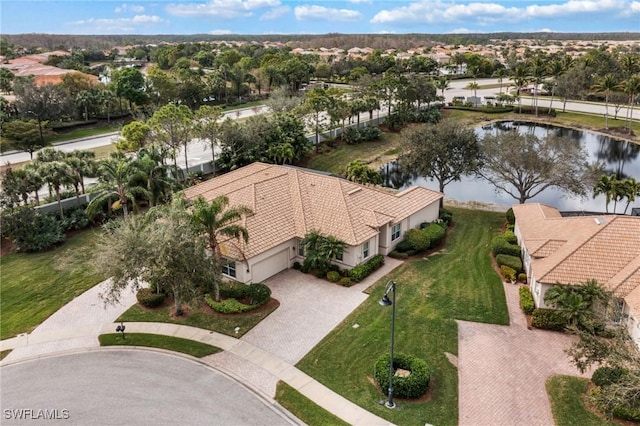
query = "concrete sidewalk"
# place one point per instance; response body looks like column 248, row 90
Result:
column 306, row 385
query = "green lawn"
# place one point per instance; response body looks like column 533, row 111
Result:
column 567, row 395
column 459, row 283
column 305, row 409
column 202, row 317
column 83, row 133
column 176, row 344
column 35, row 285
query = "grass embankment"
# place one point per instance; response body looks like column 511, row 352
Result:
column 176, row 344
column 35, row 285
column 457, row 283
column 305, row 409
column 83, row 133
column 202, row 317
column 567, row 394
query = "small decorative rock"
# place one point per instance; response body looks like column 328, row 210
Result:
column 402, row 373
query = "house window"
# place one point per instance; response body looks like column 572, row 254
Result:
column 365, row 250
column 395, row 232
column 300, row 248
column 340, row 255
column 229, row 268
column 618, row 307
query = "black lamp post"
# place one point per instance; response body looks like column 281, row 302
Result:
column 120, row 329
column 39, row 126
column 391, row 287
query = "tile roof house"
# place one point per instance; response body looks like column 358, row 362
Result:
column 573, row 250
column 289, row 202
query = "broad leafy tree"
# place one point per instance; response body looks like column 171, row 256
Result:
column 207, row 127
column 444, row 152
column 172, row 126
column 524, row 165
column 24, row 135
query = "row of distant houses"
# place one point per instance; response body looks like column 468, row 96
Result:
column 289, row 202
column 34, row 65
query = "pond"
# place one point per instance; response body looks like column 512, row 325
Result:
column 616, row 156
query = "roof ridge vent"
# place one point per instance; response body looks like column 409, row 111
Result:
column 353, row 191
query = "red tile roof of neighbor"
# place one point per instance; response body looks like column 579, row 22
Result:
column 289, row 202
column 572, row 250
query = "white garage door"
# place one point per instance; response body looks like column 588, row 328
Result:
column 270, row 266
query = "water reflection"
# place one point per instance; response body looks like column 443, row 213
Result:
column 615, row 156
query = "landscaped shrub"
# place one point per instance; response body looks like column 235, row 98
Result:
column 233, row 290
column 510, row 237
column 418, row 239
column 446, row 216
column 297, row 266
column 526, row 300
column 604, row 376
column 548, row 319
column 500, row 245
column 74, row 218
column 333, row 276
column 346, row 282
column 258, row 294
column 149, row 298
column 435, row 232
column 511, row 217
column 355, row 135
column 512, row 262
column 31, row 231
column 413, row 385
column 508, row 273
column 397, row 255
column 522, row 277
column 362, row 271
column 403, row 246
column 627, row 412
column 228, row 306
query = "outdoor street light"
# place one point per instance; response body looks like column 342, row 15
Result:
column 39, row 125
column 120, row 329
column 391, row 286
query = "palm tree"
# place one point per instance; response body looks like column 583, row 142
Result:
column 555, row 70
column 221, row 225
column 500, row 74
column 631, row 88
column 58, row 175
column 207, row 127
column 82, row 164
column 629, row 189
column 281, row 153
column 158, row 181
column 106, row 98
column 520, row 80
column 83, row 100
column 442, row 84
column 606, row 185
column 118, row 179
column 473, row 86
column 359, row 172
column 606, row 85
column 536, row 70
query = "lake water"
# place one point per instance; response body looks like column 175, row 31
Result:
column 616, row 156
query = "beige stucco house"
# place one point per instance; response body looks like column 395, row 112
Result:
column 289, row 202
column 573, row 250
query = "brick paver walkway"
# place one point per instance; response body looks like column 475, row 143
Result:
column 502, row 370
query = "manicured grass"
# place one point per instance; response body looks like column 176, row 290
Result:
column 567, row 395
column 83, row 133
column 243, row 106
column 305, row 409
column 336, row 159
column 202, row 317
column 176, row 344
column 3, row 354
column 458, row 283
column 35, row 285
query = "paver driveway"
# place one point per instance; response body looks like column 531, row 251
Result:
column 309, row 309
column 502, row 370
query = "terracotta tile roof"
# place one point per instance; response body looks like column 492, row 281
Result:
column 572, row 250
column 289, row 202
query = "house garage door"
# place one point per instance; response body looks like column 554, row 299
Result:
column 270, row 266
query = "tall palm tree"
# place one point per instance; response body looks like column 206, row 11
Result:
column 631, row 88
column 82, row 164
column 221, row 224
column 500, row 74
column 158, row 181
column 520, row 78
column 606, row 85
column 537, row 73
column 630, row 189
column 119, row 179
column 555, row 70
column 207, row 127
column 58, row 175
column 442, row 84
column 607, row 186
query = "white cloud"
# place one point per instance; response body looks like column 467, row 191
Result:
column 545, row 30
column 462, row 31
column 129, row 8
column 220, row 32
column 275, row 13
column 360, row 1
column 119, row 25
column 223, row 9
column 386, row 32
column 321, row 13
column 634, row 7
column 489, row 13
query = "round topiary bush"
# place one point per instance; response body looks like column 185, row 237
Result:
column 418, row 239
column 604, row 376
column 333, row 276
column 255, row 294
column 412, row 385
column 148, row 298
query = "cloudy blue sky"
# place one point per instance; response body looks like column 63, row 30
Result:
column 316, row 16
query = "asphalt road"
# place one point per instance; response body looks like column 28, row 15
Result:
column 125, row 387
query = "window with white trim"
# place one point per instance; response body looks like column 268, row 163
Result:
column 229, row 268
column 395, row 232
column 365, row 250
column 300, row 248
column 340, row 255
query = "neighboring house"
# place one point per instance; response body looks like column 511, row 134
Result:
column 289, row 202
column 573, row 250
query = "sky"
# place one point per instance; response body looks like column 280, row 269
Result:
column 263, row 17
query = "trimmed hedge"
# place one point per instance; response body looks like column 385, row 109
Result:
column 354, row 135
column 526, row 300
column 604, row 376
column 512, row 262
column 333, row 276
column 418, row 239
column 362, row 271
column 346, row 282
column 548, row 319
column 508, row 273
column 501, row 245
column 511, row 217
column 435, row 233
column 412, row 386
column 149, row 298
column 258, row 295
column 510, row 237
column 403, row 246
column 398, row 255
column 446, row 216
